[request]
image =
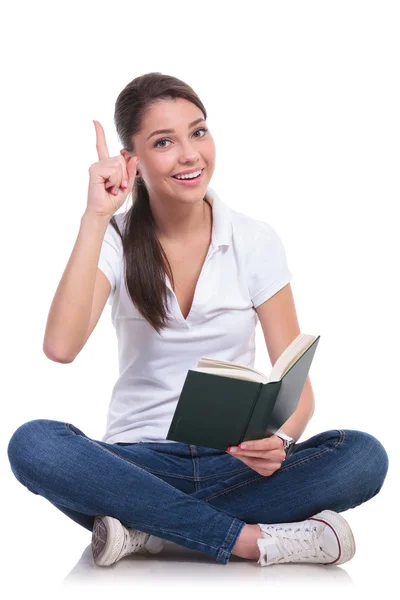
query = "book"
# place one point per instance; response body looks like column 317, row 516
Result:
column 223, row 403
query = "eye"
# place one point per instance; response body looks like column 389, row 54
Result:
column 166, row 140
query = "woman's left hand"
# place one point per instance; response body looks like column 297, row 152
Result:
column 265, row 456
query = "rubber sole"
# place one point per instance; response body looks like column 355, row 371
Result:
column 343, row 532
column 107, row 540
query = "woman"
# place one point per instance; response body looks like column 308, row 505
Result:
column 186, row 277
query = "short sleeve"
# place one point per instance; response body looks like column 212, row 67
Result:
column 111, row 258
column 267, row 266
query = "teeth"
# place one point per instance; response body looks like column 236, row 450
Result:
column 188, row 175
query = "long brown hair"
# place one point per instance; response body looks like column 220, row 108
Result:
column 145, row 262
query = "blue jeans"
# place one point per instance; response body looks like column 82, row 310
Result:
column 194, row 496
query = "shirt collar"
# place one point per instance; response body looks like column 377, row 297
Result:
column 222, row 222
column 222, row 225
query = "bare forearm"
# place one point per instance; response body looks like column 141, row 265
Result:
column 69, row 314
column 298, row 421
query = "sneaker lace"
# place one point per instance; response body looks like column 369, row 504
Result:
column 298, row 543
column 134, row 540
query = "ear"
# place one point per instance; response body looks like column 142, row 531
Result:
column 126, row 155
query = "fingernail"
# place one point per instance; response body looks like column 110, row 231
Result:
column 232, row 449
column 125, row 183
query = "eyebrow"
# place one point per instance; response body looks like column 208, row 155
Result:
column 173, row 130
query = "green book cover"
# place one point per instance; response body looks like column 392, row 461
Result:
column 216, row 411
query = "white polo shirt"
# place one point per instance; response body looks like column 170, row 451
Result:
column 245, row 265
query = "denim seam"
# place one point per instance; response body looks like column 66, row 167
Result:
column 156, row 472
column 129, row 462
column 223, row 552
column 195, row 466
column 67, row 504
column 295, row 464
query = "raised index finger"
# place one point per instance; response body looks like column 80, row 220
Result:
column 101, row 144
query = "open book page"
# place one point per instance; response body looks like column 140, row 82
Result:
column 286, row 360
column 234, row 374
column 214, row 363
column 292, row 353
column 246, row 374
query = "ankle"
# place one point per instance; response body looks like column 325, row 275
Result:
column 246, row 544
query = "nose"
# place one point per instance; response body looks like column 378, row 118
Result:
column 189, row 153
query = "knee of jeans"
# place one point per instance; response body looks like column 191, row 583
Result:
column 376, row 459
column 381, row 459
column 25, row 442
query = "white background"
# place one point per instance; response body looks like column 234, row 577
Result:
column 303, row 104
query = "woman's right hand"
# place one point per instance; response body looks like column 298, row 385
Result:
column 106, row 177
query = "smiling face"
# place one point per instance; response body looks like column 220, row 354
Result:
column 162, row 155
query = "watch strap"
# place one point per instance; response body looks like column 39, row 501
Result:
column 288, row 442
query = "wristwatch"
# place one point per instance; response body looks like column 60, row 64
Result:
column 288, row 442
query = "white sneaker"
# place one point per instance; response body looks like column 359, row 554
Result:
column 111, row 541
column 324, row 538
